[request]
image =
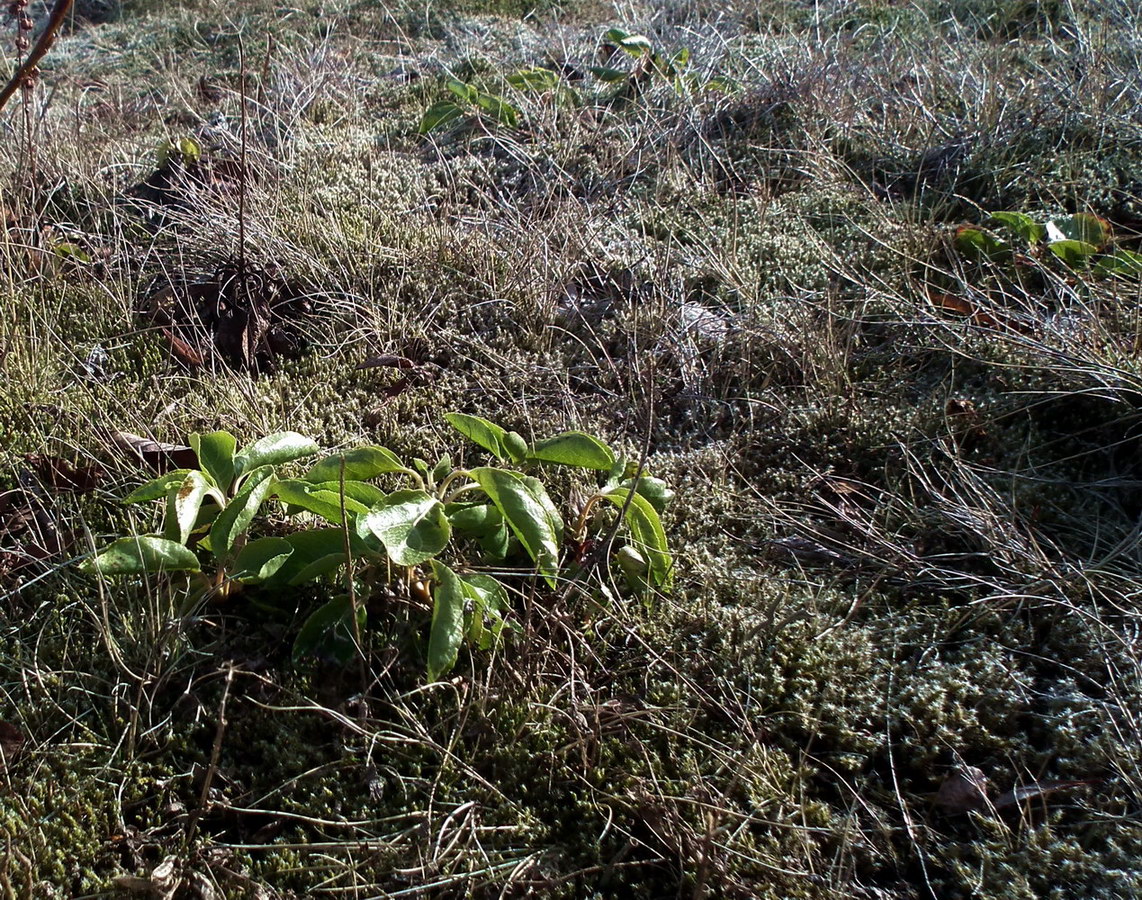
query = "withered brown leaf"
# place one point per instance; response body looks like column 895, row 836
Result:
column 156, row 455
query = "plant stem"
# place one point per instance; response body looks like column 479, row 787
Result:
column 47, row 38
column 212, row 769
column 351, row 589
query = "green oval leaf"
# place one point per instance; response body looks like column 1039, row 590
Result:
column 361, row 464
column 328, row 632
column 274, row 449
column 537, row 79
column 607, row 74
column 447, row 621
column 474, row 519
column 438, row 116
column 324, row 499
column 480, row 431
column 261, row 559
column 1074, row 253
column 157, row 488
column 315, row 552
column 646, row 534
column 496, row 544
column 574, row 448
column 500, row 110
column 183, row 505
column 215, row 452
column 1082, row 227
column 235, row 519
column 412, row 526
column 1022, row 225
column 515, row 446
column 138, row 555
column 441, row 470
column 460, row 89
column 634, row 44
column 653, row 489
column 489, row 602
column 529, row 511
column 1124, row 263
column 980, row 245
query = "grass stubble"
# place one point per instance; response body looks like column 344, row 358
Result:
column 907, row 541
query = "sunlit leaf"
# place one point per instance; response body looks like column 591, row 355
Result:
column 438, row 116
column 1081, row 227
column 183, row 505
column 68, row 250
column 447, row 621
column 646, row 534
column 361, row 464
column 157, row 488
column 412, row 526
column 489, row 602
column 235, row 519
column 480, row 431
column 980, row 245
column 324, row 499
column 537, row 79
column 573, row 448
column 1074, row 253
column 1022, row 225
column 146, row 553
column 216, row 453
column 515, row 446
column 460, row 89
column 653, row 489
column 1123, row 263
column 499, row 109
column 530, row 514
column 634, row 44
column 274, row 449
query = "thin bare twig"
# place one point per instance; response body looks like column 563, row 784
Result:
column 47, row 38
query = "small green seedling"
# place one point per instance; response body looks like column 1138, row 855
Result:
column 468, row 105
column 438, row 523
column 649, row 62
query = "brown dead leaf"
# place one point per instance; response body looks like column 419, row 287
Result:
column 248, row 314
column 161, row 884
column 11, row 743
column 387, row 361
column 397, row 388
column 966, row 789
column 1038, row 789
column 963, row 790
column 182, row 351
column 209, row 89
column 29, row 533
column 958, row 306
column 62, row 476
column 155, row 455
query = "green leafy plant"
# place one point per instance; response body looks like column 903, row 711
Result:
column 1080, row 241
column 469, row 104
column 438, row 523
column 650, row 62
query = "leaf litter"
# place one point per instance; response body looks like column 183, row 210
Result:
column 967, row 789
column 246, row 315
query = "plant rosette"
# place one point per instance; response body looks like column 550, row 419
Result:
column 437, row 524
